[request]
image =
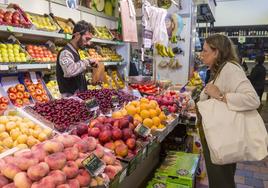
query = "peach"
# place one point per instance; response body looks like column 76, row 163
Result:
column 11, row 185
column 3, row 181
column 52, row 146
column 121, row 150
column 26, row 160
column 21, row 153
column 83, row 155
column 118, row 142
column 40, row 154
column 21, row 180
column 110, row 145
column 79, row 162
column 99, row 152
column 74, row 183
column 71, row 153
column 100, row 180
column 83, row 177
column 46, row 182
column 2, row 163
column 38, row 171
column 82, row 146
column 63, row 186
column 118, row 166
column 70, row 169
column 10, row 170
column 110, row 171
column 93, row 183
column 9, row 159
column 57, row 176
column 56, row 161
column 109, row 158
column 66, row 140
column 92, row 143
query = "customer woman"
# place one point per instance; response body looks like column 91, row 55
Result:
column 231, row 87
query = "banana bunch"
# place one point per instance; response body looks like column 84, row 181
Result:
column 164, row 51
column 172, row 64
column 195, row 80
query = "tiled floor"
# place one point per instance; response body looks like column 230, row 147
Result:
column 249, row 174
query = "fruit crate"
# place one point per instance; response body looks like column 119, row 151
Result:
column 163, row 183
column 14, row 16
column 66, row 25
column 152, row 145
column 180, row 168
column 119, row 176
column 103, row 33
column 40, row 54
column 42, row 22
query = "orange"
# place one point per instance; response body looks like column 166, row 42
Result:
column 162, row 116
column 144, row 100
column 145, row 114
column 153, row 104
column 156, row 121
column 138, row 110
column 117, row 115
column 148, row 122
column 161, row 126
column 144, row 106
column 131, row 110
column 124, row 112
column 158, row 111
column 153, row 127
column 135, row 103
column 138, row 117
column 153, row 113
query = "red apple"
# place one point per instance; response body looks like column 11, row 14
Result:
column 131, row 143
column 105, row 136
column 116, row 134
column 94, row 131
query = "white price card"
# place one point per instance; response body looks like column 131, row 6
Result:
column 33, row 77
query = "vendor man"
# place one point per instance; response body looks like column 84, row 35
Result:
column 70, row 68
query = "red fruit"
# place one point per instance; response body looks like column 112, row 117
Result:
column 26, row 95
column 20, row 87
column 4, row 100
column 121, row 150
column 127, row 133
column 19, row 95
column 38, row 91
column 94, row 131
column 12, row 90
column 123, row 123
column 105, row 136
column 93, row 122
column 81, row 129
column 110, row 145
column 3, row 106
column 131, row 143
column 117, row 134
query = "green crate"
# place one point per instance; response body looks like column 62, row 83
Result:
column 179, row 168
column 156, row 183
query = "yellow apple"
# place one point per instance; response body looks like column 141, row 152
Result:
column 8, row 142
column 22, row 139
column 10, row 125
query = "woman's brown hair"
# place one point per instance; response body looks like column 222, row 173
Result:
column 226, row 50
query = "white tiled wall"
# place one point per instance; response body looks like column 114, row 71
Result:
column 64, row 12
column 35, row 6
column 89, row 18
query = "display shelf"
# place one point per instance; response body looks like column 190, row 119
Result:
column 169, row 128
column 114, row 63
column 247, row 36
column 26, row 67
column 253, row 61
column 38, row 35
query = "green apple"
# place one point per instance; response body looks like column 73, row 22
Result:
column 16, row 46
column 11, row 59
column 23, row 59
column 22, row 55
column 10, row 46
column 6, row 60
column 3, row 46
column 18, row 59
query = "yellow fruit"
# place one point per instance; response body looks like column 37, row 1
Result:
column 156, row 121
column 48, row 132
column 2, row 128
column 30, row 124
column 158, row 111
column 2, row 149
column 123, row 112
column 15, row 143
column 25, row 131
column 144, row 100
column 153, row 113
column 36, row 133
column 131, row 110
column 8, row 142
column 3, row 135
column 153, row 127
column 162, row 116
column 31, row 141
column 3, row 119
column 15, row 134
column 42, row 137
column 10, row 125
column 22, row 139
column 22, row 146
column 161, row 126
column 26, row 120
column 145, row 114
column 153, row 104
column 137, row 117
column 117, row 115
column 148, row 122
column 135, row 103
column 23, row 126
column 138, row 110
column 144, row 106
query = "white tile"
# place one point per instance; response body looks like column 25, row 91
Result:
column 64, row 12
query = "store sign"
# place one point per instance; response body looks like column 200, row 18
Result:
column 142, row 130
column 71, row 4
column 93, row 165
column 241, row 39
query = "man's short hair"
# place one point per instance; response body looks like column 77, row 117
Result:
column 82, row 27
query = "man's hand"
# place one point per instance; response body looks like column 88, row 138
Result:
column 93, row 63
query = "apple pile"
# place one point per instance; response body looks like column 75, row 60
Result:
column 114, row 134
column 63, row 112
column 145, row 88
column 20, row 132
column 37, row 91
column 18, row 96
column 14, row 18
column 11, row 53
column 57, row 163
column 104, row 97
column 41, row 54
column 3, row 104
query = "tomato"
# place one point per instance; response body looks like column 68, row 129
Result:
column 26, row 101
column 26, row 95
column 3, row 106
column 20, row 87
column 12, row 90
column 4, row 100
column 18, row 102
column 20, row 95
column 45, row 98
column 12, row 96
column 38, row 92
column 38, row 98
column 31, row 88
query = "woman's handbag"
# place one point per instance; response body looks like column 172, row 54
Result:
column 232, row 136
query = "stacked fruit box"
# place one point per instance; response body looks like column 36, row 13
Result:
column 66, row 25
column 12, row 53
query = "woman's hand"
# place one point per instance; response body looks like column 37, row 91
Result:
column 213, row 91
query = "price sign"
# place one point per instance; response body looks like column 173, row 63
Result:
column 10, row 28
column 115, row 101
column 93, row 165
column 142, row 130
column 12, row 68
column 92, row 104
column 241, row 39
column 33, row 77
column 68, row 36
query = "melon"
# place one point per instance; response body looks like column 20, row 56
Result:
column 108, row 9
column 99, row 5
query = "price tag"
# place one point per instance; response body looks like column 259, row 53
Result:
column 12, row 68
column 68, row 36
column 142, row 130
column 136, row 93
column 93, row 165
column 33, row 77
column 115, row 101
column 166, row 112
column 10, row 28
column 241, row 39
column 92, row 104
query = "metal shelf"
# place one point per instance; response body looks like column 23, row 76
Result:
column 38, row 35
column 113, row 63
column 247, row 36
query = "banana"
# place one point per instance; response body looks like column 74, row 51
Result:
column 164, row 51
column 170, row 52
column 158, row 48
